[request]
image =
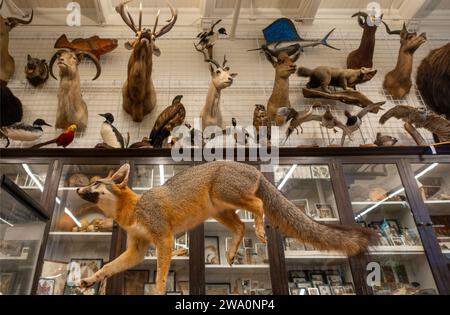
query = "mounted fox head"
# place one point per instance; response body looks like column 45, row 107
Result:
column 109, row 193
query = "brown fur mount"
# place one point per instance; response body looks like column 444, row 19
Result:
column 433, row 80
column 95, row 45
column 36, row 71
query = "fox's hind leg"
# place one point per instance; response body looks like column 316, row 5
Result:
column 164, row 251
column 256, row 206
column 231, row 220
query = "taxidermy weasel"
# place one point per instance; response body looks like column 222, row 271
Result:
column 216, row 190
column 328, row 76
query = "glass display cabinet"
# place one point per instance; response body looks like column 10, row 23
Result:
column 22, row 227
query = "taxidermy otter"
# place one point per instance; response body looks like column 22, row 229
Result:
column 11, row 110
column 329, row 76
column 36, row 71
column 433, row 80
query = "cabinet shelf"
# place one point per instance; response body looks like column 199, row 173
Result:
column 237, row 269
column 15, row 258
column 312, row 254
column 81, row 236
column 396, row 250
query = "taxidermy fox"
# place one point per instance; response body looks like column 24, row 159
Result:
column 214, row 189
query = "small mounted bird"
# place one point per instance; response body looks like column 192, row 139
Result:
column 23, row 132
column 385, row 141
column 166, row 122
column 63, row 140
column 110, row 135
column 240, row 134
column 354, row 122
column 261, row 119
column 297, row 118
column 328, row 121
column 209, row 38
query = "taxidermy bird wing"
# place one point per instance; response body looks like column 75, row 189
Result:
column 287, row 112
column 344, row 128
column 372, row 108
column 171, row 117
column 118, row 136
column 399, row 112
column 314, row 117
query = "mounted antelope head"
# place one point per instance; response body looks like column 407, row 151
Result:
column 7, row 64
column 398, row 81
column 139, row 95
column 71, row 107
column 284, row 64
column 221, row 78
column 362, row 57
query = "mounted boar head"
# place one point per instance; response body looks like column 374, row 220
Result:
column 7, row 64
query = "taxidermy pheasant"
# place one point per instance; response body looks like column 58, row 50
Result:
column 23, row 132
column 166, row 122
column 63, row 140
column 110, row 135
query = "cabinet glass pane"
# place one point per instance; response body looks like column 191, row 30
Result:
column 80, row 235
column 434, row 184
column 21, row 233
column 249, row 274
column 141, row 279
column 310, row 271
column 29, row 177
column 379, row 201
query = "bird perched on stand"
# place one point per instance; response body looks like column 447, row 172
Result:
column 110, row 135
column 261, row 119
column 166, row 122
column 354, row 122
column 63, row 140
column 297, row 118
column 23, row 132
column 207, row 39
column 385, row 141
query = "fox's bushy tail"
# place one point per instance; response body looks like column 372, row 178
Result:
column 293, row 222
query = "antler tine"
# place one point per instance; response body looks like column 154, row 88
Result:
column 172, row 21
column 156, row 21
column 126, row 16
column 224, row 61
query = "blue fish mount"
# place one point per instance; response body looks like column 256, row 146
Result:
column 281, row 30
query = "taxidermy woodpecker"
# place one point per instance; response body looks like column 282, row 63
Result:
column 23, row 132
column 63, row 140
column 209, row 38
column 110, row 135
column 166, row 122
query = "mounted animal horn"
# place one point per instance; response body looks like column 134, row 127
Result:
column 1, row 4
column 84, row 54
column 362, row 18
column 396, row 32
column 171, row 22
column 214, row 63
column 54, row 57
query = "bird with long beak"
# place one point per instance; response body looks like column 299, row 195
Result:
column 110, row 135
column 23, row 132
column 63, row 140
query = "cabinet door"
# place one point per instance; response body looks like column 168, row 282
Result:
column 311, row 271
column 379, row 202
column 80, row 235
column 140, row 280
column 22, row 226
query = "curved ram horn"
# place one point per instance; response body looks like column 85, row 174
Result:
column 13, row 22
column 94, row 59
column 362, row 18
column 172, row 21
column 52, row 61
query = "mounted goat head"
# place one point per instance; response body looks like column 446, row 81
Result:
column 362, row 57
column 398, row 81
column 284, row 64
column 7, row 64
column 221, row 78
column 139, row 95
column 71, row 107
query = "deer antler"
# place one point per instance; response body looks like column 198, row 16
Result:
column 171, row 21
column 126, row 16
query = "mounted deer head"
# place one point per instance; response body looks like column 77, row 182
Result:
column 362, row 57
column 7, row 64
column 282, row 61
column 398, row 81
column 139, row 95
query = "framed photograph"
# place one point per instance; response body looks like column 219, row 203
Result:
column 171, row 281
column 262, row 256
column 298, row 280
column 304, row 285
column 320, row 171
column 183, row 286
column 337, row 290
column 249, row 256
column 292, row 244
column 218, row 288
column 212, row 253
column 80, row 268
column 313, row 291
column 7, row 283
column 297, row 274
column 255, row 284
column 149, row 288
column 45, row 286
column 348, row 289
column 324, row 210
column 316, row 276
column 10, row 248
column 302, row 204
column 248, row 242
column 325, row 290
column 135, row 281
column 56, row 270
column 334, row 280
column 317, row 283
column 397, row 240
column 294, row 291
column 182, row 242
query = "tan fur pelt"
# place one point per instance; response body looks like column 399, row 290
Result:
column 433, row 80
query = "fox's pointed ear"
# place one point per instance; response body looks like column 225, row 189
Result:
column 120, row 178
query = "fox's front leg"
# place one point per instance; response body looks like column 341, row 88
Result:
column 164, row 252
column 134, row 255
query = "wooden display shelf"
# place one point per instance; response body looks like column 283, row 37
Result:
column 312, row 255
column 80, row 236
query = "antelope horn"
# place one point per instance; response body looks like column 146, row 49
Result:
column 126, row 17
column 362, row 17
column 52, row 61
column 224, row 61
column 13, row 22
column 172, row 21
column 388, row 30
column 213, row 62
column 94, row 59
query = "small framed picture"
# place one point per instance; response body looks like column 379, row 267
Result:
column 316, row 276
column 302, row 204
column 149, row 288
column 261, row 254
column 212, row 253
column 316, row 283
column 397, row 240
column 46, row 286
column 135, row 281
column 7, row 280
column 334, row 280
column 324, row 290
column 299, row 280
column 337, row 290
column 151, row 251
column 56, row 270
column 294, row 291
column 313, row 291
column 248, row 243
column 296, row 274
column 81, row 268
column 10, row 248
column 171, row 280
column 182, row 243
column 324, row 210
column 348, row 289
column 218, row 288
column 305, row 285
column 320, row 171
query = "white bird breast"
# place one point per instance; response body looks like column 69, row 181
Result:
column 22, row 135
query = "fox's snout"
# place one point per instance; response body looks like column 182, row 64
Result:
column 87, row 195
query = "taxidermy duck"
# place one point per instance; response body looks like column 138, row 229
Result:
column 173, row 116
column 63, row 140
column 385, row 141
column 209, row 38
column 297, row 118
column 110, row 135
column 23, row 132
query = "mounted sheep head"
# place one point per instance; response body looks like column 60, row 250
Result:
column 68, row 61
column 7, row 64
